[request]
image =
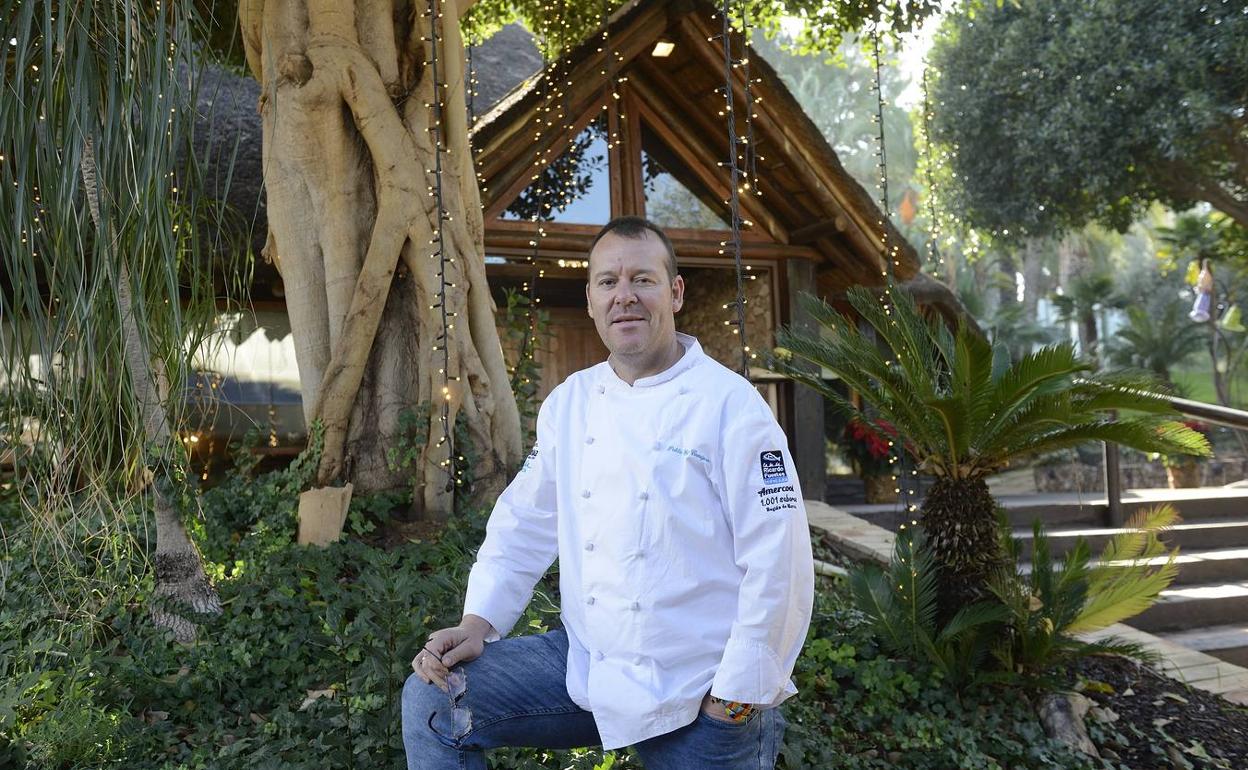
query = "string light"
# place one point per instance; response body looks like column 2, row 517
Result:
column 609, row 62
column 935, row 258
column 439, row 254
column 736, row 169
column 891, row 256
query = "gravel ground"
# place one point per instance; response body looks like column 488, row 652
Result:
column 1146, row 720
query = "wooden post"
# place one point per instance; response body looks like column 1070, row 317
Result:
column 322, row 512
column 1113, row 485
column 806, row 433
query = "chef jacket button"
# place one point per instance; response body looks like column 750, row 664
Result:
column 684, row 390
column 589, row 546
column 599, row 655
column 634, row 606
column 589, row 439
column 658, row 445
column 644, row 495
column 637, row 661
column 585, row 493
column 590, row 600
column 602, row 389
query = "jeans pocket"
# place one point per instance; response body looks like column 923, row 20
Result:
column 725, row 721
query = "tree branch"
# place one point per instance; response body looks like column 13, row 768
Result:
column 1183, row 181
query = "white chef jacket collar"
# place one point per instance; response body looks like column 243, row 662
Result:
column 690, row 358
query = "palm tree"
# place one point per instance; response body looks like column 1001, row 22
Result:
column 1086, row 296
column 964, row 411
column 1155, row 341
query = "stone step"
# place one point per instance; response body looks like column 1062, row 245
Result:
column 1192, row 607
column 1219, row 565
column 1229, row 643
column 1190, row 536
column 1068, row 509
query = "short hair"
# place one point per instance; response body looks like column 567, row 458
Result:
column 636, row 228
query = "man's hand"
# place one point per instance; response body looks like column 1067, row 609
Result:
column 449, row 647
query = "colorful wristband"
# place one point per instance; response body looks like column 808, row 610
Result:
column 736, row 711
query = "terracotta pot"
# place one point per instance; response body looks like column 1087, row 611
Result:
column 1184, row 475
column 880, row 489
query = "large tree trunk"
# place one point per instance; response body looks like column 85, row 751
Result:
column 350, row 110
column 180, row 580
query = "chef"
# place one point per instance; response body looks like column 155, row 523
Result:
column 665, row 488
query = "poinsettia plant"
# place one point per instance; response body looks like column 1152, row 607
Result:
column 866, row 446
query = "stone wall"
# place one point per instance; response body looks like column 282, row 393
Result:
column 707, row 290
column 1083, row 477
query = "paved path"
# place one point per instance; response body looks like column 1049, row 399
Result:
column 864, row 540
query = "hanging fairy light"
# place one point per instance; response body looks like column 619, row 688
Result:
column 737, row 172
column 936, row 259
column 552, row 87
column 439, row 255
column 610, row 59
column 902, row 477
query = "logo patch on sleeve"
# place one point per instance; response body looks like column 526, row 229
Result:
column 772, row 463
column 529, row 460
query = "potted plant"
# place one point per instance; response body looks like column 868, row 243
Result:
column 867, row 446
column 1183, row 470
column 963, row 410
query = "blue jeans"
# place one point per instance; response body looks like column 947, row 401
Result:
column 516, row 696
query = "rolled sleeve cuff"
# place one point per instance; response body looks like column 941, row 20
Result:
column 750, row 672
column 492, row 599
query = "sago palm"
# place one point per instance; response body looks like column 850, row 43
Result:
column 964, row 411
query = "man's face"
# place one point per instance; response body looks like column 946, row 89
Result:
column 631, row 298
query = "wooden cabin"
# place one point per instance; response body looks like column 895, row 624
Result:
column 637, row 130
column 633, row 127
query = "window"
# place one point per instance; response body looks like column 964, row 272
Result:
column 669, row 187
column 576, row 187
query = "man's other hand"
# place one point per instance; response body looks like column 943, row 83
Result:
column 449, row 647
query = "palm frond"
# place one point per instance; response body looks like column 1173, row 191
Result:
column 1116, row 645
column 1146, row 435
column 913, row 571
column 1139, row 536
column 1126, row 593
column 1069, row 587
column 872, row 592
column 860, row 364
column 1124, row 583
column 903, row 330
column 973, row 616
column 1040, row 372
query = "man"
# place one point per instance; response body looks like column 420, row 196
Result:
column 665, row 488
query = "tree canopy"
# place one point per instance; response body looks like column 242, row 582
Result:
column 1080, row 112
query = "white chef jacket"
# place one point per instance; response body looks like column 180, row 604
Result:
column 684, row 555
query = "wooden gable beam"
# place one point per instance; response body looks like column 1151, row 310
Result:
column 818, row 230
column 694, row 123
column 507, row 152
column 702, row 161
column 809, row 168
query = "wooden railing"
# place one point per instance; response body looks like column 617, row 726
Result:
column 1199, row 410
